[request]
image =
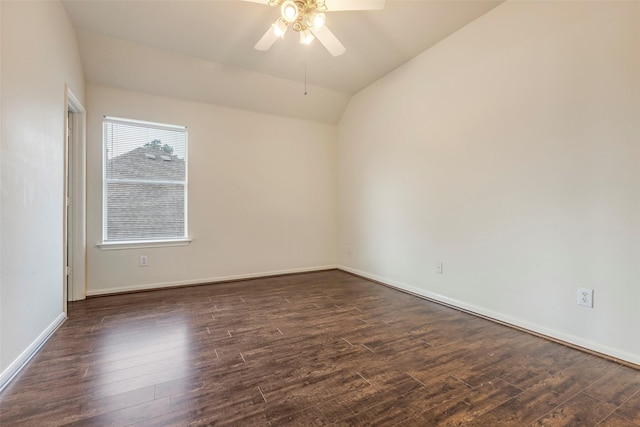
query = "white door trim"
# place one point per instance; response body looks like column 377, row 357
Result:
column 77, row 176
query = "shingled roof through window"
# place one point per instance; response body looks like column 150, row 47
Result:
column 146, row 163
column 144, row 211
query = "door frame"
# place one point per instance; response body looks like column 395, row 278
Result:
column 75, row 169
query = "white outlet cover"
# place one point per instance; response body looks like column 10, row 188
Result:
column 585, row 297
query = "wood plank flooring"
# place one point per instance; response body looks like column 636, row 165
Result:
column 324, row 348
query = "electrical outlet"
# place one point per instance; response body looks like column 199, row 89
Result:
column 349, row 250
column 439, row 267
column 585, row 297
column 144, row 261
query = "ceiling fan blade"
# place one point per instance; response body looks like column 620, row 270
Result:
column 328, row 40
column 267, row 40
column 338, row 5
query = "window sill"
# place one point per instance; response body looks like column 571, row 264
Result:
column 139, row 244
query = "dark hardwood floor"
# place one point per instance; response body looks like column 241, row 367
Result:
column 311, row 349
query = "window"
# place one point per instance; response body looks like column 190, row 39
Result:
column 145, row 182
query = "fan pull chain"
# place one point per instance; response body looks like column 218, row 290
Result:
column 305, row 72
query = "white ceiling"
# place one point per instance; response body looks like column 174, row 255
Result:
column 221, row 34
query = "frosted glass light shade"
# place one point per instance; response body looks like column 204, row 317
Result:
column 279, row 28
column 306, row 37
column 289, row 11
column 317, row 20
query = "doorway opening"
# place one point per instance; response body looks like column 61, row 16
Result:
column 74, row 202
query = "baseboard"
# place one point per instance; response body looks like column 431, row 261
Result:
column 219, row 279
column 557, row 336
column 12, row 370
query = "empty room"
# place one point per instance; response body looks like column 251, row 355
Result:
column 320, row 212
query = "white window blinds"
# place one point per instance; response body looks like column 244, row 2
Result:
column 145, row 181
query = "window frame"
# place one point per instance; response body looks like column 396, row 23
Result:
column 106, row 244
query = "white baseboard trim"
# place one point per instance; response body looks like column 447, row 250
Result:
column 149, row 286
column 502, row 318
column 16, row 366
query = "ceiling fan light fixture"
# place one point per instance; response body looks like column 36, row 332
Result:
column 279, row 28
column 306, row 37
column 308, row 18
column 289, row 11
column 317, row 20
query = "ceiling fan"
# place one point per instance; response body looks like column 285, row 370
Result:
column 308, row 19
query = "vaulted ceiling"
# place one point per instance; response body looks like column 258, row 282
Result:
column 203, row 50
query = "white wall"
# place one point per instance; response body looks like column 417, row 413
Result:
column 132, row 66
column 262, row 194
column 1, row 132
column 39, row 56
column 510, row 152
